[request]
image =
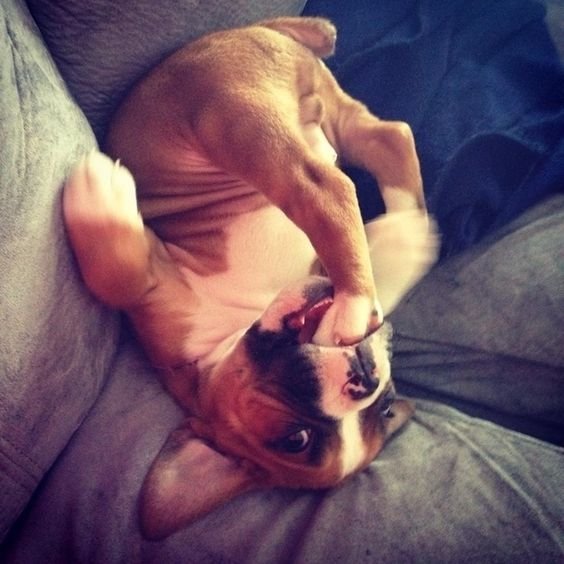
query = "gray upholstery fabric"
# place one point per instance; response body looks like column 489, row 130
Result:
column 56, row 343
column 484, row 331
column 448, row 489
column 102, row 47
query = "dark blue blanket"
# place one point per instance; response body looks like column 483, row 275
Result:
column 481, row 85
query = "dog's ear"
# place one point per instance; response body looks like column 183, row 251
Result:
column 187, row 480
column 401, row 412
column 317, row 34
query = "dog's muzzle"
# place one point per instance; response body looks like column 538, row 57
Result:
column 362, row 381
column 335, row 380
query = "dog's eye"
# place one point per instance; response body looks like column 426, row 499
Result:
column 296, row 442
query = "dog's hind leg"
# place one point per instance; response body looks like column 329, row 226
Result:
column 386, row 149
column 403, row 247
column 404, row 242
column 107, row 234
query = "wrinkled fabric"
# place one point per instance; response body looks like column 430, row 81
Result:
column 481, row 85
column 483, row 332
column 449, row 488
column 56, row 342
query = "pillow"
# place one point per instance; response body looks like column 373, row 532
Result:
column 102, row 46
column 56, row 343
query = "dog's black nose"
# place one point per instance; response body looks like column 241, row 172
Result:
column 362, row 381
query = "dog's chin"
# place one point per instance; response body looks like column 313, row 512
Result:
column 299, row 308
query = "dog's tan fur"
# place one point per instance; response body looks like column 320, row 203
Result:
column 217, row 144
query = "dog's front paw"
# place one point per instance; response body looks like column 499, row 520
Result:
column 348, row 320
column 100, row 195
column 106, row 231
column 403, row 248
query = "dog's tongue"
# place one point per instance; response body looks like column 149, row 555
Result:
column 307, row 320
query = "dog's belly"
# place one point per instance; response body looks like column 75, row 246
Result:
column 263, row 252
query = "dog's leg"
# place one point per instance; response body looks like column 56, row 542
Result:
column 312, row 192
column 403, row 246
column 403, row 242
column 123, row 262
column 386, row 149
column 106, row 231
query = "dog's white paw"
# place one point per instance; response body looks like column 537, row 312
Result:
column 100, row 194
column 348, row 320
column 106, row 231
column 403, row 248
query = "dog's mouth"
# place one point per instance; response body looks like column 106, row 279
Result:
column 306, row 320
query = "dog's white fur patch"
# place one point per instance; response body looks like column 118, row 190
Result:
column 333, row 372
column 265, row 252
column 403, row 247
column 353, row 449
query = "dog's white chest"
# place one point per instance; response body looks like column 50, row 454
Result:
column 265, row 252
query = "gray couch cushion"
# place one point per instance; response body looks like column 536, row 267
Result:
column 55, row 342
column 103, row 46
column 448, row 489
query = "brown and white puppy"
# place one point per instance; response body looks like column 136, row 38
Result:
column 284, row 372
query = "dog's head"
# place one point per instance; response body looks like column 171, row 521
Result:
column 277, row 410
